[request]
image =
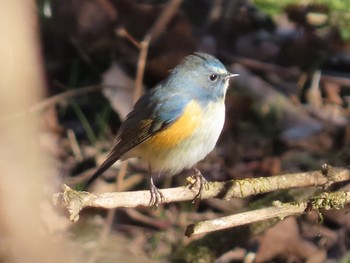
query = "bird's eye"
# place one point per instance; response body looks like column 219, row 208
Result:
column 213, row 77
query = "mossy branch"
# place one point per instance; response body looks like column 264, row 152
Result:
column 75, row 201
column 327, row 201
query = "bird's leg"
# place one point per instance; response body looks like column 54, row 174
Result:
column 200, row 182
column 156, row 195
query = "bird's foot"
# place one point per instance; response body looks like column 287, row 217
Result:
column 156, row 195
column 200, row 182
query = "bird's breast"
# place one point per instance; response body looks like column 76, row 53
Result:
column 183, row 128
column 186, row 141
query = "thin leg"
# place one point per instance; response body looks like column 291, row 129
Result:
column 156, row 195
column 200, row 182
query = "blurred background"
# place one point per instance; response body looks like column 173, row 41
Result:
column 288, row 111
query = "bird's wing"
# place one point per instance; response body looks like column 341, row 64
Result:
column 150, row 116
column 155, row 111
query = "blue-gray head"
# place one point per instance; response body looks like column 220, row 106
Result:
column 201, row 74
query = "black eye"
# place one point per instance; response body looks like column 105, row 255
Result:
column 213, row 77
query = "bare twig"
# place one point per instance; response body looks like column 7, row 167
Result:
column 74, row 145
column 55, row 99
column 122, row 32
column 152, row 35
column 163, row 20
column 328, row 201
column 141, row 64
column 75, row 201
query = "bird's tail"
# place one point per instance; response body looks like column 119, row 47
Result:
column 111, row 159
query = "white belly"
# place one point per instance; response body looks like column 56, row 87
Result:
column 194, row 148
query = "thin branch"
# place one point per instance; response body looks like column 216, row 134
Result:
column 75, row 201
column 163, row 20
column 57, row 98
column 122, row 32
column 152, row 35
column 141, row 64
column 74, row 145
column 328, row 201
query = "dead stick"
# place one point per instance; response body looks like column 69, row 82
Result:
column 328, row 201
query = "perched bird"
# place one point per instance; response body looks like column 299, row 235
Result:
column 176, row 124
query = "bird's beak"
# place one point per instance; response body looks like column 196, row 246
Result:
column 230, row 75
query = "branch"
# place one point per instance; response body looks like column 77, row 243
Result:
column 163, row 20
column 42, row 105
column 152, row 35
column 327, row 201
column 75, row 201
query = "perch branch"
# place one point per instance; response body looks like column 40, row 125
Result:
column 75, row 201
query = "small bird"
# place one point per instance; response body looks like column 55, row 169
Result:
column 177, row 123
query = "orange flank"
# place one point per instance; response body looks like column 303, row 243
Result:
column 180, row 130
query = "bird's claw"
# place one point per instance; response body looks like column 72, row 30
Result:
column 200, row 182
column 156, row 196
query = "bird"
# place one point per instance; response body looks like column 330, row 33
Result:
column 177, row 123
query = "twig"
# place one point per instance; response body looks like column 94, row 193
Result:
column 75, row 201
column 328, row 201
column 152, row 35
column 122, row 32
column 141, row 64
column 163, row 20
column 57, row 98
column 74, row 145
